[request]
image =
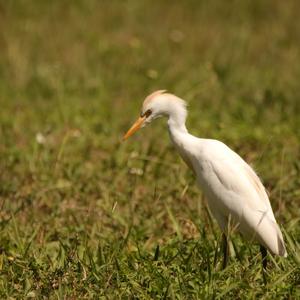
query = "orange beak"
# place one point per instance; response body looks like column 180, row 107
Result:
column 135, row 127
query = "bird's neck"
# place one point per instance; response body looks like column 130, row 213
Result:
column 175, row 109
column 176, row 126
column 176, row 122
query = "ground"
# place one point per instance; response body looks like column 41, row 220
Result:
column 84, row 215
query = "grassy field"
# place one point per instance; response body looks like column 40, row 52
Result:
column 84, row 215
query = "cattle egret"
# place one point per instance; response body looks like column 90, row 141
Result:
column 233, row 190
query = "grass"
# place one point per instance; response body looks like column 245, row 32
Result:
column 85, row 216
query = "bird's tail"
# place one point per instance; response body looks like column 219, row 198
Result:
column 266, row 231
column 273, row 240
column 280, row 242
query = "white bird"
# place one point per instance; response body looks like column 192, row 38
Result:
column 233, row 190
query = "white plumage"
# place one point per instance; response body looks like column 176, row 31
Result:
column 232, row 188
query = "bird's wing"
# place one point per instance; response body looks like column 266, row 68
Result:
column 238, row 179
column 236, row 186
column 257, row 185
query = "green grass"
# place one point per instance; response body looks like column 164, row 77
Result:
column 86, row 216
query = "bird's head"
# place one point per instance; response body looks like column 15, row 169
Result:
column 156, row 105
column 153, row 107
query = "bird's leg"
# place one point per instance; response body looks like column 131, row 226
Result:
column 225, row 250
column 264, row 253
column 225, row 243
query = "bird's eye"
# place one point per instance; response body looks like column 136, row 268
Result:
column 147, row 113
